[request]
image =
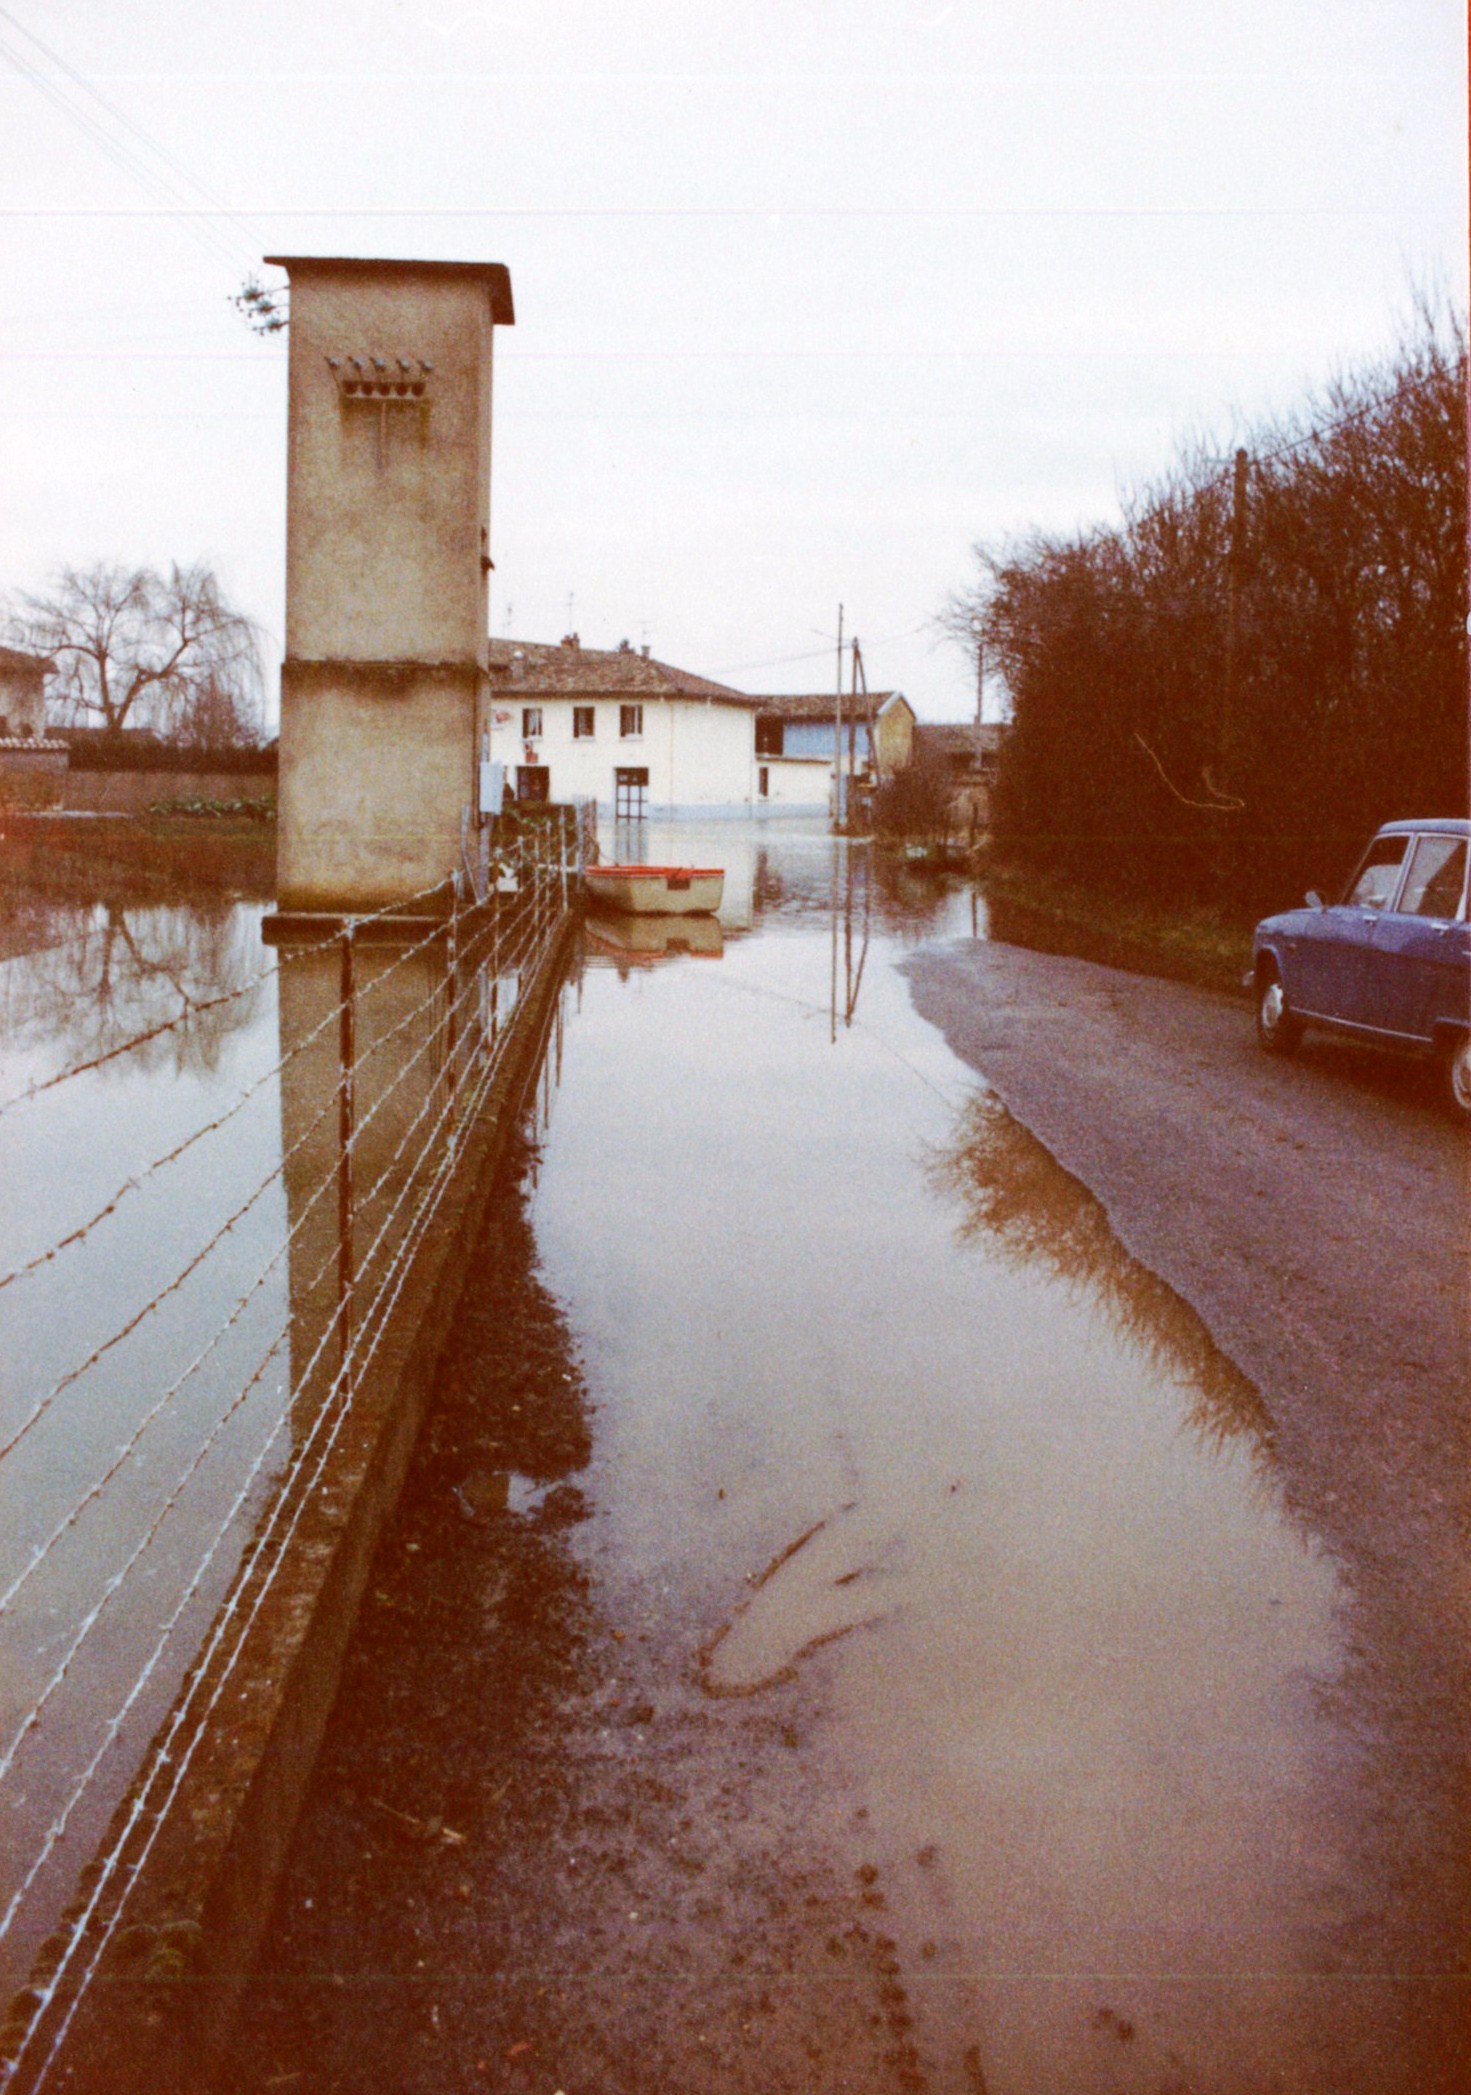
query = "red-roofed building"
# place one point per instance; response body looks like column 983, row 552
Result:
column 612, row 725
column 641, row 737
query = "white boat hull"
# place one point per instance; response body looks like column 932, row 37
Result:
column 657, row 891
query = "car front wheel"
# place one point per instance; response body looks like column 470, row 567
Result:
column 1457, row 1069
column 1276, row 1028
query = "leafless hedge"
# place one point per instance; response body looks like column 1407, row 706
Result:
column 1220, row 698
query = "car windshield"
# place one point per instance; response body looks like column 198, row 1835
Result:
column 1436, row 877
column 1375, row 880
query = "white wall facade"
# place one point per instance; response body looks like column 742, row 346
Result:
column 700, row 754
column 796, row 785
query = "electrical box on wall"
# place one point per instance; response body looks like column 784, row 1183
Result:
column 492, row 790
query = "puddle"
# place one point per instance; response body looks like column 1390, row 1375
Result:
column 824, row 1585
column 890, row 1418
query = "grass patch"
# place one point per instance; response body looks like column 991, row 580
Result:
column 1207, row 947
column 127, row 859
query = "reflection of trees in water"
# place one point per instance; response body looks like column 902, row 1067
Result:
column 120, row 971
column 906, row 901
column 909, row 899
column 1015, row 1194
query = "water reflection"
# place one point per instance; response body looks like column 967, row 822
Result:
column 1019, row 1201
column 1060, row 1647
column 389, row 1043
column 635, row 941
column 178, row 1368
column 113, row 972
column 137, row 1382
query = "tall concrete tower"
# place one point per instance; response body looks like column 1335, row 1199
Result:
column 384, row 685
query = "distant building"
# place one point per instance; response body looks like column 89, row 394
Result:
column 23, row 694
column 970, row 752
column 795, row 744
column 643, row 738
column 612, row 725
column 32, row 766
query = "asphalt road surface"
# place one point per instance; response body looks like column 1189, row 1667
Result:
column 1314, row 1212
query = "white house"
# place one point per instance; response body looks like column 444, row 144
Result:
column 642, row 738
column 796, row 736
column 612, row 725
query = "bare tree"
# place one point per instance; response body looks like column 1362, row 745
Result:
column 136, row 648
column 1219, row 697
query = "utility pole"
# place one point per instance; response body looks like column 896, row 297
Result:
column 1235, row 571
column 838, row 794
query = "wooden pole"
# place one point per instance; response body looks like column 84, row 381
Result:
column 838, row 795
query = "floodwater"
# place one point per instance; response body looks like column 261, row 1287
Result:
column 125, row 1449
column 896, row 1468
column 884, row 1412
column 216, row 1219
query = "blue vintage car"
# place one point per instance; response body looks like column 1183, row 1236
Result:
column 1390, row 962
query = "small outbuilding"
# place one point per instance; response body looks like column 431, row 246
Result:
column 969, row 752
column 23, row 694
column 32, row 767
column 796, row 738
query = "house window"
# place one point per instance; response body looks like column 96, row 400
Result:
column 765, row 786
column 768, row 738
column 582, row 723
column 530, row 723
column 533, row 782
column 630, row 722
column 631, row 794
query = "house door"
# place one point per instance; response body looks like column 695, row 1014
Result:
column 630, row 793
column 533, row 782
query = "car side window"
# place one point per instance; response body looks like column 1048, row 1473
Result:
column 1436, row 877
column 1375, row 880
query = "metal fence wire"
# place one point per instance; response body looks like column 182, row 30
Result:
column 380, row 1102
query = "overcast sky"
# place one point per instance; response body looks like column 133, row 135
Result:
column 809, row 297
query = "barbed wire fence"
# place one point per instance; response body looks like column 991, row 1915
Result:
column 433, row 1064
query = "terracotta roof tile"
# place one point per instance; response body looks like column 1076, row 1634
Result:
column 820, row 705
column 17, row 658
column 590, row 672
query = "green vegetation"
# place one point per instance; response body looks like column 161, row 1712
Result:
column 65, row 860
column 261, row 810
column 913, row 804
column 1199, row 943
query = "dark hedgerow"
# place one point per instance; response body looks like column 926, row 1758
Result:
column 1219, row 699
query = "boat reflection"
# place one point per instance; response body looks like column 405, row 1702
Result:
column 638, row 941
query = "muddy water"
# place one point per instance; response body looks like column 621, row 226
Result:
column 886, row 1417
column 111, row 1565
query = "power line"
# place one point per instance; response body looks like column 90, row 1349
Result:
column 817, row 654
column 1321, row 430
column 164, row 186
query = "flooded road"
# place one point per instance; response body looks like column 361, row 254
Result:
column 933, row 1684
column 234, row 1171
